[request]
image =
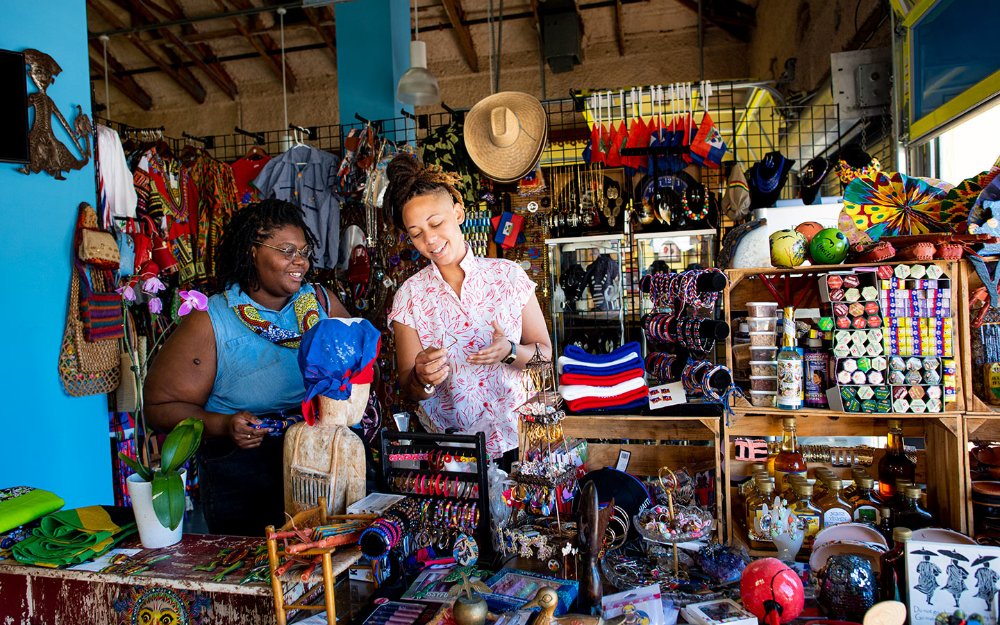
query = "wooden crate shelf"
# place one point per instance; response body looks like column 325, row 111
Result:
column 938, row 465
column 653, row 442
column 969, row 281
column 745, row 286
column 977, row 427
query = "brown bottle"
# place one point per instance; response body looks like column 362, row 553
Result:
column 809, row 515
column 894, row 464
column 835, row 509
column 892, row 582
column 755, row 511
column 885, row 525
column 911, row 514
column 866, row 503
column 789, row 460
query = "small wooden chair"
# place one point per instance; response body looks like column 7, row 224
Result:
column 332, row 563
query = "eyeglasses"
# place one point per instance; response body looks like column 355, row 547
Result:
column 289, row 251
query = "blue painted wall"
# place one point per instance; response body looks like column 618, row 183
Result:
column 49, row 439
column 373, row 51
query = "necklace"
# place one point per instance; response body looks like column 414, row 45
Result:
column 690, row 214
column 770, row 184
column 306, row 315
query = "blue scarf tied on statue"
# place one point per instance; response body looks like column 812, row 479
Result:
column 335, row 355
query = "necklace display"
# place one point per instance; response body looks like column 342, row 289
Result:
column 690, row 214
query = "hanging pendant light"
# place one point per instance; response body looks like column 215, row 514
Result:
column 417, row 86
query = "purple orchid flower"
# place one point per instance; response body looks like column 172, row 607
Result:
column 153, row 286
column 127, row 292
column 155, row 305
column 193, row 300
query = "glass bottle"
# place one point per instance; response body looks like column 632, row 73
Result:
column 911, row 514
column 789, row 460
column 823, row 475
column 755, row 511
column 896, row 502
column 894, row 464
column 885, row 524
column 892, row 583
column 810, row 516
column 866, row 503
column 790, row 368
column 815, row 363
column 835, row 509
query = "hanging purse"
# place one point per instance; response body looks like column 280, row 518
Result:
column 97, row 247
column 86, row 368
column 100, row 312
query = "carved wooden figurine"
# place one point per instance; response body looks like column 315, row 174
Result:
column 590, row 538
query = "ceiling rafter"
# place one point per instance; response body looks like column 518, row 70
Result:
column 453, row 8
column 116, row 76
column 186, row 81
column 225, row 83
column 262, row 43
column 208, row 54
column 619, row 28
column 732, row 16
column 326, row 33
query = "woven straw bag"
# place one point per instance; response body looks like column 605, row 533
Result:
column 86, row 368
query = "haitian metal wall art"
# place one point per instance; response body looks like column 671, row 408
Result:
column 46, row 152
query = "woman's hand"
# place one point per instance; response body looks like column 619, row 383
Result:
column 495, row 352
column 243, row 432
column 431, row 366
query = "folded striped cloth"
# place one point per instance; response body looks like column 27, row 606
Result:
column 74, row 536
column 629, row 399
column 570, row 379
column 575, row 360
column 579, row 391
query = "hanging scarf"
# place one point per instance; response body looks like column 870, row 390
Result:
column 306, row 314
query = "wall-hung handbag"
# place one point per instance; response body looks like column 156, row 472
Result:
column 86, row 368
column 100, row 311
column 96, row 247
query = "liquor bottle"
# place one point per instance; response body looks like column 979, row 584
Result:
column 835, row 509
column 789, row 460
column 823, row 475
column 816, row 360
column 892, row 582
column 911, row 514
column 755, row 511
column 894, row 464
column 790, row 367
column 885, row 524
column 866, row 503
column 810, row 516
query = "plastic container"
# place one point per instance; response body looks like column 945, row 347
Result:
column 764, row 367
column 741, row 360
column 762, row 324
column 762, row 399
column 760, row 352
column 762, row 309
column 762, row 339
column 763, row 383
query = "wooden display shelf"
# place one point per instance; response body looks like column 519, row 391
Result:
column 977, row 427
column 653, row 442
column 745, row 286
column 943, row 457
column 969, row 281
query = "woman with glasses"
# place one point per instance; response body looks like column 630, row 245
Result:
column 235, row 366
column 465, row 327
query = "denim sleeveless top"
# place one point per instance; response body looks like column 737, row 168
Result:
column 252, row 373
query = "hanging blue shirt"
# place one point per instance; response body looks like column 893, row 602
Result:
column 252, row 373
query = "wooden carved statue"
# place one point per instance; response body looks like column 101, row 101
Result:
column 327, row 459
column 45, row 151
column 591, row 538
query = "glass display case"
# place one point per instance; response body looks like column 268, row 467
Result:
column 588, row 294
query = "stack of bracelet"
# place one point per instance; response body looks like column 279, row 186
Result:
column 673, row 291
column 440, row 522
column 697, row 379
column 686, row 331
column 661, row 366
column 389, row 530
column 434, row 484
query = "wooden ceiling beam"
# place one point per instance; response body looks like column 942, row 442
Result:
column 453, row 8
column 222, row 80
column 208, row 54
column 262, row 43
column 123, row 82
column 325, row 33
column 732, row 16
column 187, row 82
column 619, row 28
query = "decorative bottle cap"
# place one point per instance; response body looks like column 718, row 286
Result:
column 834, row 484
column 866, row 482
column 804, row 489
column 766, row 487
column 788, row 422
column 885, row 512
column 912, row 492
column 902, row 483
column 895, row 424
column 901, row 534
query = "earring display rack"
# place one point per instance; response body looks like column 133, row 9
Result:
column 413, row 464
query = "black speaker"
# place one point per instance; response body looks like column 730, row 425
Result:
column 561, row 40
column 13, row 108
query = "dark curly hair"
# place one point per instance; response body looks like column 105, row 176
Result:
column 408, row 178
column 253, row 223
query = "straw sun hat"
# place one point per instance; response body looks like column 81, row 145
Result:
column 505, row 134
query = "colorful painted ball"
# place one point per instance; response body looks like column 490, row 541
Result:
column 788, row 248
column 808, row 229
column 829, row 247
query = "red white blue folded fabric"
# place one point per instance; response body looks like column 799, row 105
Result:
column 579, row 391
column 569, row 379
column 631, row 399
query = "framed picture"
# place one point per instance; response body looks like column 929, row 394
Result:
column 944, row 577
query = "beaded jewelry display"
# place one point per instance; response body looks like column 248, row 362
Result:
column 686, row 208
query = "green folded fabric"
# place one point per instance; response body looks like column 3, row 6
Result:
column 74, row 536
column 24, row 504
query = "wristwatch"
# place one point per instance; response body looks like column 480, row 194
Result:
column 512, row 356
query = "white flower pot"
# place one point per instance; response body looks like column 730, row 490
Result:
column 152, row 533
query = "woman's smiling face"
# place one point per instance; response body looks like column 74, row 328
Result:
column 280, row 277
column 432, row 222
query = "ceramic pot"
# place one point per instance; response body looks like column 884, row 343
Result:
column 788, row 546
column 152, row 533
column 469, row 611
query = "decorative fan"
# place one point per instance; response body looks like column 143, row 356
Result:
column 893, row 204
